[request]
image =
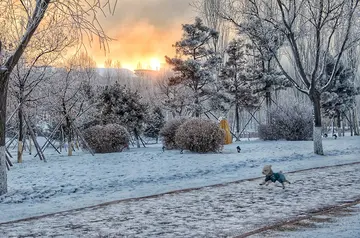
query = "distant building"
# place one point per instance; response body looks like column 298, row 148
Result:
column 147, row 73
column 115, row 72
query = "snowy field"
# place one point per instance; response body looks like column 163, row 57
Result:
column 347, row 226
column 65, row 183
column 211, row 212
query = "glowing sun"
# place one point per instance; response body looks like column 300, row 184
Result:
column 155, row 64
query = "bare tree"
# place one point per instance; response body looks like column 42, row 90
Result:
column 77, row 16
column 24, row 81
column 87, row 67
column 32, row 69
column 71, row 95
column 309, row 28
column 209, row 13
column 173, row 98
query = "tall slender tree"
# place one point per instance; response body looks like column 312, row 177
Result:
column 196, row 64
column 341, row 97
column 233, row 77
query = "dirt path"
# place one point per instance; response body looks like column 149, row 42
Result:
column 224, row 210
column 311, row 220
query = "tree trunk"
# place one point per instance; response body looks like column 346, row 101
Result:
column 20, row 151
column 62, row 139
column 70, row 146
column 351, row 124
column 77, row 142
column 69, row 138
column 338, row 123
column 318, row 147
column 136, row 134
column 3, row 176
column 67, row 128
column 3, row 96
column 237, row 121
column 267, row 69
column 268, row 105
column 21, row 125
column 30, row 145
column 197, row 105
column 355, row 122
column 197, row 112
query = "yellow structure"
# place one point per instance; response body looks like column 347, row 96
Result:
column 225, row 126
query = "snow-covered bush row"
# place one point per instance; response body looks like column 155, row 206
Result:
column 267, row 132
column 107, row 139
column 168, row 133
column 289, row 123
column 199, row 135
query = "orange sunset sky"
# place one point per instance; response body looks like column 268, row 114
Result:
column 144, row 31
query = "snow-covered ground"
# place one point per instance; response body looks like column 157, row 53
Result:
column 221, row 211
column 340, row 226
column 65, row 183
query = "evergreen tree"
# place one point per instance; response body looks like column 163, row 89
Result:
column 341, row 96
column 262, row 71
column 234, row 80
column 173, row 98
column 120, row 105
column 197, row 71
column 155, row 122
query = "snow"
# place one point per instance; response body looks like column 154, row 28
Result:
column 343, row 226
column 65, row 183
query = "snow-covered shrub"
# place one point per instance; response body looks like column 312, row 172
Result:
column 290, row 123
column 107, row 139
column 268, row 132
column 154, row 123
column 168, row 133
column 199, row 135
column 298, row 126
column 118, row 104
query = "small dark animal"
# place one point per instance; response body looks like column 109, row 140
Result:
column 325, row 135
column 273, row 177
column 335, row 136
column 238, row 149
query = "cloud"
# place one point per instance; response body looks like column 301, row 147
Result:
column 143, row 30
column 161, row 13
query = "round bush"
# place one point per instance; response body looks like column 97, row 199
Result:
column 199, row 135
column 168, row 133
column 107, row 139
